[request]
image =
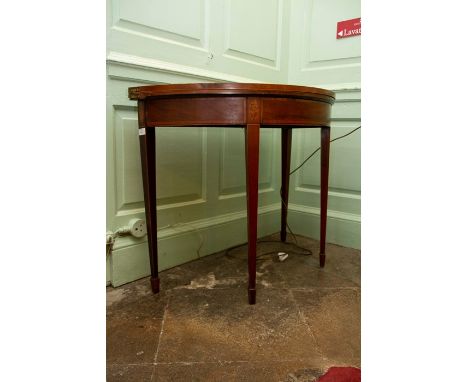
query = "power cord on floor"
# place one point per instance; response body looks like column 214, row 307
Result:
column 284, row 204
column 260, row 256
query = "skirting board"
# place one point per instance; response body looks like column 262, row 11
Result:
column 132, row 263
column 342, row 228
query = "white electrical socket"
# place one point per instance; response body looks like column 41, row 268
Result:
column 137, row 227
column 109, row 237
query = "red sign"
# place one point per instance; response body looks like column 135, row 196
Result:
column 348, row 28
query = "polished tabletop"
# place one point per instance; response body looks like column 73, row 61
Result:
column 230, row 88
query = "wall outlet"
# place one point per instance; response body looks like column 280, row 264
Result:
column 137, row 227
column 109, row 237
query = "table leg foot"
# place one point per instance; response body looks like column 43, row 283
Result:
column 155, row 284
column 322, row 260
column 252, row 296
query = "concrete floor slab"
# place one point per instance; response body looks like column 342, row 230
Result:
column 201, row 328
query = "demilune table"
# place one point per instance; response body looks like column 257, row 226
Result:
column 234, row 105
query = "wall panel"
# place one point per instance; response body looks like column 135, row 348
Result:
column 316, row 56
column 344, row 200
column 232, row 166
column 201, row 174
column 129, row 194
column 180, row 159
column 226, row 38
column 262, row 45
column 161, row 20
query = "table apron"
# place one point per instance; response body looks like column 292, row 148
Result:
column 232, row 111
column 287, row 111
column 195, row 111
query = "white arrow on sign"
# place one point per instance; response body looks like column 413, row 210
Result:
column 340, row 33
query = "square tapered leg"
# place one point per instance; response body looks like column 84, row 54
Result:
column 324, row 170
column 148, row 166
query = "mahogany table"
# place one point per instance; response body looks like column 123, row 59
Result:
column 233, row 105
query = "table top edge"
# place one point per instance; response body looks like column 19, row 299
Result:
column 230, row 88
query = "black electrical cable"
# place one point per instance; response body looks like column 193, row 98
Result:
column 318, row 148
column 307, row 252
column 284, row 204
column 303, row 163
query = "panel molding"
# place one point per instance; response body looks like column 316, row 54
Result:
column 314, row 68
column 131, row 61
column 301, row 184
column 121, row 115
column 345, row 116
column 330, row 213
column 340, row 87
column 251, row 58
column 168, row 206
column 225, row 192
column 344, row 198
column 342, row 228
column 124, row 26
column 170, row 37
column 243, row 194
column 163, row 66
column 310, row 56
column 338, row 194
column 316, row 58
column 122, row 208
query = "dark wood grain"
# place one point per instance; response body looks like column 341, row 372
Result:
column 198, row 111
column 324, row 169
column 286, row 136
column 252, row 150
column 148, row 167
column 292, row 112
column 233, row 105
column 230, row 88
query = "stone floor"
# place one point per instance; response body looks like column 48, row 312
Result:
column 201, row 328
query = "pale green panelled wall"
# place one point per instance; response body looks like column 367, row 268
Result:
column 317, row 58
column 201, row 176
